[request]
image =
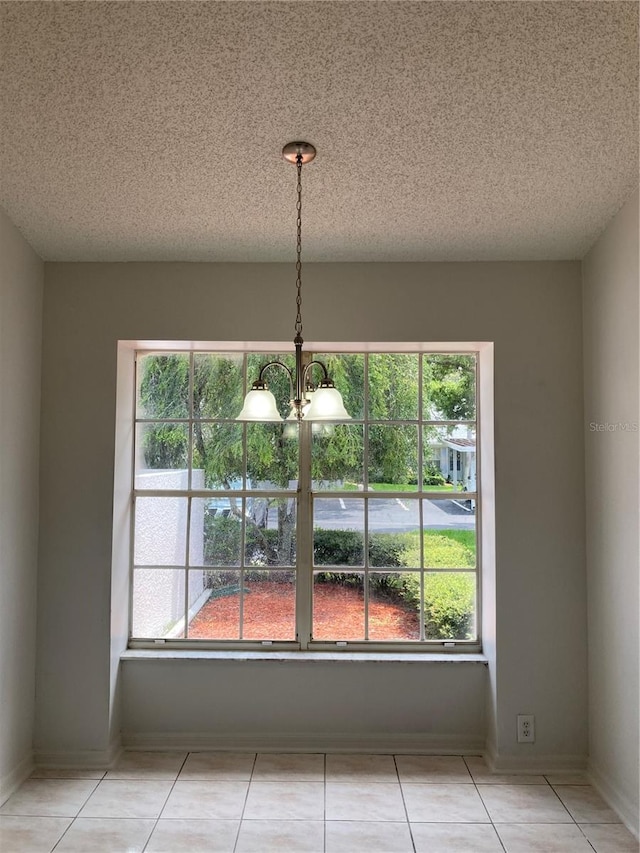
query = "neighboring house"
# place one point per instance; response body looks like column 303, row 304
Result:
column 454, row 456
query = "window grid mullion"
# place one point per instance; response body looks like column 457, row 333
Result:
column 132, row 519
column 191, row 419
column 421, row 484
column 243, row 551
column 186, row 570
column 245, row 486
column 478, row 500
column 304, row 539
column 365, row 481
column 366, row 567
column 190, row 405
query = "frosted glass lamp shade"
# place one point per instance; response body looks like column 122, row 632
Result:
column 290, row 425
column 259, row 405
column 326, row 405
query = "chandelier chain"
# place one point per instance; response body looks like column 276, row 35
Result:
column 299, row 248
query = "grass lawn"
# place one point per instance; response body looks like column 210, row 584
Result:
column 396, row 487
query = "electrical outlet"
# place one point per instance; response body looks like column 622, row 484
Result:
column 526, row 728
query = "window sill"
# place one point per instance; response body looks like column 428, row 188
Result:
column 302, row 656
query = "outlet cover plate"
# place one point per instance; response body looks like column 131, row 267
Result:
column 526, row 728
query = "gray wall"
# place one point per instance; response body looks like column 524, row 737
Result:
column 21, row 281
column 537, row 651
column 610, row 289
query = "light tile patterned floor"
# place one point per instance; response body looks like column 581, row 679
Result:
column 207, row 802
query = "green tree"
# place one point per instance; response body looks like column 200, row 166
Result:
column 449, row 386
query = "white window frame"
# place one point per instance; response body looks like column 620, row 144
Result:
column 304, row 573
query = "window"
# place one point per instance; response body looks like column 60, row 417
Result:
column 360, row 534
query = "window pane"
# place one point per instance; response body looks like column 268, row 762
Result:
column 272, row 459
column 338, row 535
column 449, row 387
column 269, row 605
column 449, row 534
column 347, row 372
column 270, row 537
column 393, row 458
column 215, row 533
column 217, row 385
column 160, row 531
column 161, row 456
column 236, row 537
column 217, row 456
column 338, row 606
column 393, row 386
column 449, row 455
column 337, row 454
column 394, row 533
column 394, row 606
column 218, row 616
column 163, row 386
column 449, row 605
column 158, row 603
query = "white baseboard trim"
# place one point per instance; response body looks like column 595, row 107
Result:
column 305, row 742
column 81, row 759
column 614, row 797
column 534, row 764
column 11, row 781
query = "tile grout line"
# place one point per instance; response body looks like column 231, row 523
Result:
column 95, row 787
column 413, row 843
column 246, row 797
column 157, row 820
column 324, row 811
column 570, row 815
column 484, row 805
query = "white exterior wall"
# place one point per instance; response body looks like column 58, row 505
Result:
column 21, row 280
column 161, row 539
column 610, row 287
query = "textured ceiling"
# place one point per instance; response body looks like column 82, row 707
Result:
column 445, row 130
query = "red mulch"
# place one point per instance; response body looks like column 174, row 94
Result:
column 338, row 614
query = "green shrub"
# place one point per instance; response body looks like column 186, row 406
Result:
column 349, row 579
column 222, row 540
column 449, row 599
column 223, row 543
column 449, row 603
column 346, row 548
column 450, row 549
column 338, row 547
column 433, row 477
column 387, row 550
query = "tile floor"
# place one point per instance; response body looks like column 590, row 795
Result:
column 169, row 802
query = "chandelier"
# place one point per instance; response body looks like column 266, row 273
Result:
column 309, row 402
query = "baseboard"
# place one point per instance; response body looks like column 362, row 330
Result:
column 619, row 802
column 534, row 764
column 305, row 742
column 12, row 780
column 82, row 759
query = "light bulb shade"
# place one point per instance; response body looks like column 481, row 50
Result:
column 326, row 405
column 259, row 405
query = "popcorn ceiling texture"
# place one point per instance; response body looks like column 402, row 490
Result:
column 445, row 130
